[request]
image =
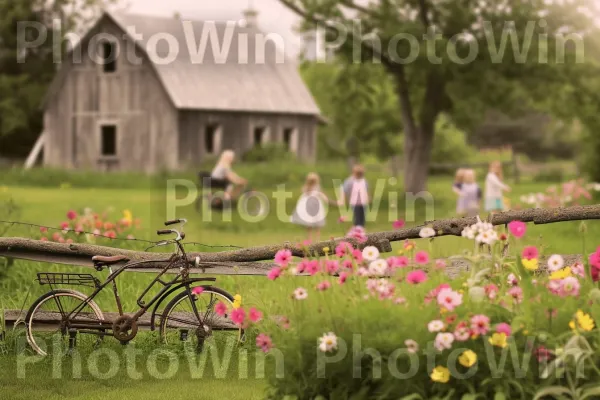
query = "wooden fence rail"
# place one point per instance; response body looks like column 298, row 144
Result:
column 257, row 260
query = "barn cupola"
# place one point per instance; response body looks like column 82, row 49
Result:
column 250, row 16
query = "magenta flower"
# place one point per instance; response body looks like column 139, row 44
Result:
column 398, row 224
column 323, row 286
column 71, row 214
column 283, row 257
column 416, row 277
column 343, row 249
column 397, row 262
column 422, row 257
column 220, row 309
column 65, row 225
column 595, row 260
column 274, row 273
column 569, row 286
column 480, row 324
column 491, row 291
column 516, row 293
column 332, row 266
column 343, row 277
column 302, row 266
column 312, row 267
column 357, row 255
column 348, row 264
column 530, row 252
column 197, row 290
column 504, row 328
column 434, row 292
column 264, row 342
column 517, row 228
column 254, row 315
column 238, row 316
column 449, row 299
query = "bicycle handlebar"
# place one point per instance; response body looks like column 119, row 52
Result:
column 165, row 231
column 176, row 221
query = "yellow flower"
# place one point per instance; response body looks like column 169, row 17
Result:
column 325, row 250
column 237, row 301
column 400, row 252
column 531, row 265
column 560, row 274
column 498, row 339
column 467, row 358
column 127, row 216
column 440, row 374
column 584, row 322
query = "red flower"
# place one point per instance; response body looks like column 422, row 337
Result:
column 71, row 214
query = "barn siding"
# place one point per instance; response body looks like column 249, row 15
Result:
column 132, row 98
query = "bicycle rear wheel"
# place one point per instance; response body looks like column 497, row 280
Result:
column 48, row 323
column 180, row 325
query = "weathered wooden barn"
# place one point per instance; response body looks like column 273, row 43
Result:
column 143, row 93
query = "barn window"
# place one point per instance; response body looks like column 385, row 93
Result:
column 212, row 138
column 260, row 135
column 108, row 145
column 109, row 56
column 289, row 139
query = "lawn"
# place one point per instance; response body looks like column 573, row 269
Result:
column 46, row 203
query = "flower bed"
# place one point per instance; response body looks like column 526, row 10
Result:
column 367, row 327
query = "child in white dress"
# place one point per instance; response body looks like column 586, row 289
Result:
column 311, row 209
column 494, row 188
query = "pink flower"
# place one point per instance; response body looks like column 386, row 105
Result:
column 301, row 267
column 357, row 255
column 221, row 309
column 421, row 257
column 238, row 316
column 332, row 266
column 443, row 341
column 578, row 269
column 480, row 324
column 516, row 293
column 434, row 292
column 61, row 240
column 323, row 286
column 416, row 277
column 512, row 280
column 517, row 228
column 43, row 229
column 357, row 233
column 595, row 259
column 348, row 264
column 400, row 300
column 343, row 249
column 264, row 342
column 283, row 257
column 110, row 234
column 397, row 262
column 491, row 291
column 312, row 267
column 398, row 224
column 130, row 237
column 71, row 214
column 569, row 286
column 274, row 273
column 449, row 299
column 79, row 229
column 342, row 219
column 440, row 264
column 56, row 236
column 254, row 315
column 65, row 225
column 343, row 277
column 504, row 328
column 198, row 290
column 462, row 333
column 530, row 252
column 44, row 239
column 543, row 354
column 69, row 241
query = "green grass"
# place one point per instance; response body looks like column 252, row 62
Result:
column 44, row 200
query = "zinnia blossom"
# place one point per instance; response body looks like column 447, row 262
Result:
column 422, row 257
column 556, row 262
column 504, row 328
column 498, row 339
column 283, row 257
column 517, row 228
column 449, row 299
column 370, row 253
column 530, row 252
column 416, row 277
column 443, row 341
column 480, row 324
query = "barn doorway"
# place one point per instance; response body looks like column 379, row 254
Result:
column 260, row 135
column 108, row 140
column 212, row 138
column 290, row 139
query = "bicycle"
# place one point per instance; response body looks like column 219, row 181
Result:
column 81, row 323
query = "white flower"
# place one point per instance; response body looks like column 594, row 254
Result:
column 435, row 326
column 294, row 271
column 487, row 236
column 328, row 342
column 378, row 267
column 370, row 253
column 556, row 262
column 300, row 294
column 469, row 233
column 443, row 341
column 426, row 232
column 411, row 346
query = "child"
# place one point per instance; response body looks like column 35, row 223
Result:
column 356, row 188
column 310, row 209
column 456, row 187
column 494, row 188
column 470, row 194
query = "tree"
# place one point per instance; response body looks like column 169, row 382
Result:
column 465, row 58
column 25, row 76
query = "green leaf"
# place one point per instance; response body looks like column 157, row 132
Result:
column 554, row 391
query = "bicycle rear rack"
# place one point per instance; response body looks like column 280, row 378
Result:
column 50, row 278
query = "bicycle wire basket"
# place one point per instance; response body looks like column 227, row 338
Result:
column 51, row 278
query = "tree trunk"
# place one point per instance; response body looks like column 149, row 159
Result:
column 417, row 155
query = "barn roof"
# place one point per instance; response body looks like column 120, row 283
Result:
column 221, row 77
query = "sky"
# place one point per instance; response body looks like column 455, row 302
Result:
column 272, row 17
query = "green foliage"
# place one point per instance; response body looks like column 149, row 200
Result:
column 450, row 145
column 271, row 152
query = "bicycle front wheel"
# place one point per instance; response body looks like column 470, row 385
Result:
column 49, row 323
column 191, row 320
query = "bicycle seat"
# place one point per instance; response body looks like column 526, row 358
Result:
column 108, row 260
